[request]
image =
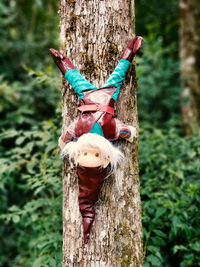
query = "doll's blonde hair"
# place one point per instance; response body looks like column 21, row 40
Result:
column 72, row 149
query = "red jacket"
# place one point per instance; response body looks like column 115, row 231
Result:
column 87, row 119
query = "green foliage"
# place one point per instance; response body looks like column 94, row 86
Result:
column 24, row 104
column 159, row 19
column 159, row 89
column 31, row 180
column 30, row 184
column 26, row 34
column 31, row 197
column 170, row 190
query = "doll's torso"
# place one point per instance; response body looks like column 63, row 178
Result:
column 97, row 121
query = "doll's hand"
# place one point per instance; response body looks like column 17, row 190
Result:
column 133, row 134
column 61, row 143
column 132, row 48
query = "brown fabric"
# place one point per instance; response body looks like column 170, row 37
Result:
column 90, row 182
column 96, row 107
column 86, row 120
column 63, row 63
column 132, row 48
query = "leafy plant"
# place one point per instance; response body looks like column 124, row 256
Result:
column 30, row 184
column 159, row 19
column 27, row 30
column 31, row 194
column 170, row 189
column 159, row 89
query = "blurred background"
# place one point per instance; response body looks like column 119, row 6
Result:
column 168, row 104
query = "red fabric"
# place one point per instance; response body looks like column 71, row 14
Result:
column 86, row 120
column 132, row 48
column 63, row 63
column 90, row 183
column 69, row 134
column 97, row 107
column 122, row 130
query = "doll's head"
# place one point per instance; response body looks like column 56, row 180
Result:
column 93, row 150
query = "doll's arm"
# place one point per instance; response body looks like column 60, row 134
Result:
column 125, row 131
column 67, row 136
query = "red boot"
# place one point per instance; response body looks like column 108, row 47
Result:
column 63, row 63
column 132, row 48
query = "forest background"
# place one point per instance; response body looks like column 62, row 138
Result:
column 30, row 109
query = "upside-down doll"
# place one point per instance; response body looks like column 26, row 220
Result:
column 88, row 139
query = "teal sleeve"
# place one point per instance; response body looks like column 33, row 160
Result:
column 78, row 82
column 117, row 76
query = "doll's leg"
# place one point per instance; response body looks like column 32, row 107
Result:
column 117, row 76
column 125, row 131
column 72, row 75
column 78, row 82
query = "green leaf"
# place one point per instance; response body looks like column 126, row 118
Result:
column 52, row 263
column 146, row 264
column 179, row 248
column 159, row 233
column 158, row 241
column 16, row 218
column 14, row 208
column 30, row 167
column 159, row 212
column 20, row 140
column 154, row 261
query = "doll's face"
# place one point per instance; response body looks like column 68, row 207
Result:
column 91, row 157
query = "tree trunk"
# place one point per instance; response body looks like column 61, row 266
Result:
column 93, row 35
column 190, row 70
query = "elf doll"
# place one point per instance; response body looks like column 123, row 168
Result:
column 88, row 140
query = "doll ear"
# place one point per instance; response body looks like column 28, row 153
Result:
column 106, row 161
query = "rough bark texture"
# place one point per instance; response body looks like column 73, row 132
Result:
column 190, row 70
column 93, row 35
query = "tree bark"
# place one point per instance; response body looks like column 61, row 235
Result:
column 93, row 35
column 190, row 70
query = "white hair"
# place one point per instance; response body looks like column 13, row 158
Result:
column 95, row 140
